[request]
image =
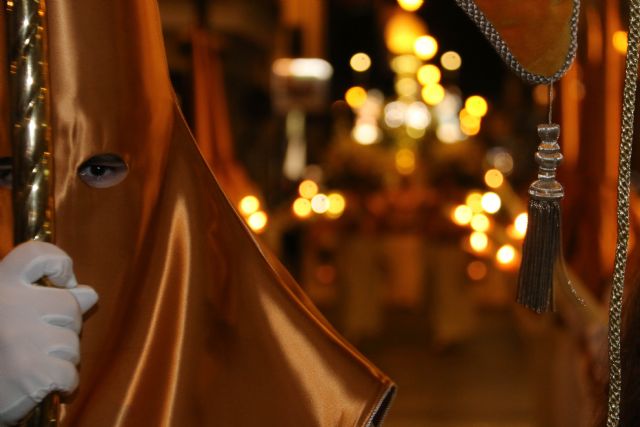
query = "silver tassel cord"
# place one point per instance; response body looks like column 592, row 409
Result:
column 624, row 187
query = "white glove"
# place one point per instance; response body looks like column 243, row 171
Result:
column 39, row 326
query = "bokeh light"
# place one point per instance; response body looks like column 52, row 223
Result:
column 478, row 241
column 410, row 5
column 448, row 133
column 450, row 60
column 320, row 203
column 425, row 47
column 477, row 270
column 462, row 215
column 360, row 62
column 406, row 86
column 469, row 122
column 301, row 208
column 307, row 189
column 506, row 254
column 257, row 221
column 405, row 64
column 429, row 74
column 405, row 161
column 503, row 161
column 480, row 222
column 491, row 202
column 249, row 204
column 620, row 41
column 394, row 113
column 433, row 94
column 474, row 201
column 337, row 204
column 469, row 127
column 493, row 178
column 417, row 116
column 520, row 224
column 415, row 133
column 476, row 106
column 402, row 30
column 365, row 133
column 355, row 96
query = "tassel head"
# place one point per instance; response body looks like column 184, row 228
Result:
column 542, row 242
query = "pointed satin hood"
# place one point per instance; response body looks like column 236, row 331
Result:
column 196, row 324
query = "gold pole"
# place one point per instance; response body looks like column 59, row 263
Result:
column 31, row 143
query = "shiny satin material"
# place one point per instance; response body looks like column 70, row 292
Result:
column 194, row 327
column 537, row 31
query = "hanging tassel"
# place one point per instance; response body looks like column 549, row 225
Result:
column 542, row 242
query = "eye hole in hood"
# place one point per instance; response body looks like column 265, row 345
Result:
column 102, row 171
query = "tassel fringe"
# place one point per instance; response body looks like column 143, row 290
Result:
column 539, row 254
column 542, row 242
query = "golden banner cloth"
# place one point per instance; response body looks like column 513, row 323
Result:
column 195, row 326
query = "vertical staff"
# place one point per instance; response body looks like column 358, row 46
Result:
column 29, row 107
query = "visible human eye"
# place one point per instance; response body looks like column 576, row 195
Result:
column 103, row 171
column 6, row 172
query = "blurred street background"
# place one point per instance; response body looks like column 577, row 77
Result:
column 383, row 151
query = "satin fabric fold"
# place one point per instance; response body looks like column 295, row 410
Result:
column 195, row 326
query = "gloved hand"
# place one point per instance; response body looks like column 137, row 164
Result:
column 39, row 326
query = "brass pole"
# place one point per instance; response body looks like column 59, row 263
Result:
column 31, row 143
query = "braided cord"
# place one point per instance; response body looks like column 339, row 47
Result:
column 624, row 180
column 490, row 32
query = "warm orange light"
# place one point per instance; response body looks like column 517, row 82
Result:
column 301, row 208
column 469, row 128
column 360, row 62
column 506, row 255
column 355, row 97
column 468, row 120
column 493, row 178
column 402, row 30
column 428, row 74
column 406, row 86
column 433, row 94
column 620, row 41
column 425, row 47
column 477, row 270
column 257, row 221
column 320, row 203
column 365, row 133
column 337, row 204
column 450, row 60
column 410, row 5
column 249, row 205
column 480, row 222
column 474, row 201
column 448, row 133
column 462, row 215
column 520, row 224
column 405, row 161
column 491, row 202
column 476, row 106
column 478, row 241
column 405, row 64
column 308, row 189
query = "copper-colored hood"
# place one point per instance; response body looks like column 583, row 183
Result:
column 195, row 326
